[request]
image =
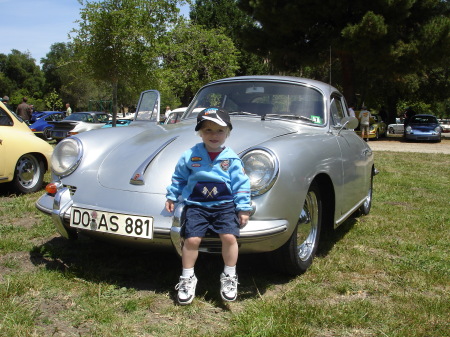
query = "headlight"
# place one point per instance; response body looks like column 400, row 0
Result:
column 408, row 129
column 438, row 129
column 262, row 167
column 66, row 156
column 371, row 128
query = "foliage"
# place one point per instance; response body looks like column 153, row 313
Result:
column 193, row 56
column 53, row 102
column 384, row 47
column 116, row 39
column 19, row 72
column 225, row 15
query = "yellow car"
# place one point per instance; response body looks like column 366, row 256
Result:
column 24, row 158
column 377, row 128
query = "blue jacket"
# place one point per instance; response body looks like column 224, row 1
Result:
column 201, row 181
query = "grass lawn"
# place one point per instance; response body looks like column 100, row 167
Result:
column 385, row 274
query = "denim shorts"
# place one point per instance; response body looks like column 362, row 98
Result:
column 221, row 219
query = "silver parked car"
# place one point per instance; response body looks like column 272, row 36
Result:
column 78, row 122
column 309, row 171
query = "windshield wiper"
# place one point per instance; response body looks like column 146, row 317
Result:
column 243, row 113
column 291, row 117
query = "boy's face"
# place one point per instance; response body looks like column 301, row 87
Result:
column 213, row 135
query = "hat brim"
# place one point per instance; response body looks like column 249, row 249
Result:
column 215, row 120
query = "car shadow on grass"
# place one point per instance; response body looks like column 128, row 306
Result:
column 147, row 270
column 158, row 271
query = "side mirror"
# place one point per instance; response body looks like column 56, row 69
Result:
column 350, row 122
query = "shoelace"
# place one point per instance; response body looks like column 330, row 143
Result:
column 230, row 283
column 184, row 285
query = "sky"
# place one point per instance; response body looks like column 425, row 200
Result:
column 32, row 26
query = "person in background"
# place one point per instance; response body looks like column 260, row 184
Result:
column 68, row 110
column 351, row 112
column 24, row 110
column 364, row 116
column 168, row 111
column 211, row 180
column 5, row 101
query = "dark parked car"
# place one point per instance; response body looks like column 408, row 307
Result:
column 41, row 126
column 78, row 122
column 423, row 127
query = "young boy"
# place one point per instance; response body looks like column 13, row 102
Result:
column 211, row 180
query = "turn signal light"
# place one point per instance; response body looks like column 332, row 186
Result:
column 51, row 188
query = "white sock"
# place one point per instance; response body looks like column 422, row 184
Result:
column 187, row 272
column 230, row 271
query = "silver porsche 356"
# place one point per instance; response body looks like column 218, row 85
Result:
column 309, row 171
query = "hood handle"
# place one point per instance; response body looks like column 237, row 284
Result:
column 138, row 176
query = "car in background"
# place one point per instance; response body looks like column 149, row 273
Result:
column 377, row 127
column 445, row 125
column 175, row 115
column 308, row 169
column 423, row 127
column 397, row 128
column 24, row 158
column 119, row 122
column 78, row 122
column 41, row 126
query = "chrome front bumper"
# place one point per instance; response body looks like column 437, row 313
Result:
column 257, row 236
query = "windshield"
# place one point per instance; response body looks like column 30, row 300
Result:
column 424, row 120
column 77, row 117
column 266, row 99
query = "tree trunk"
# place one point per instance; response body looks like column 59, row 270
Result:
column 115, row 86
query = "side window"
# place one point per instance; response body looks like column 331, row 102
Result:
column 337, row 110
column 5, row 119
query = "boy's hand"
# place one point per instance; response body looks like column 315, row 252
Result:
column 243, row 218
column 170, row 205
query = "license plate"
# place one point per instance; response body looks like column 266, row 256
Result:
column 112, row 223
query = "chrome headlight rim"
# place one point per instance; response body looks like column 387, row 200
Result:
column 74, row 162
column 273, row 175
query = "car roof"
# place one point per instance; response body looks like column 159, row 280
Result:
column 291, row 79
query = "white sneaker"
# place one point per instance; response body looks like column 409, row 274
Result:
column 186, row 289
column 228, row 287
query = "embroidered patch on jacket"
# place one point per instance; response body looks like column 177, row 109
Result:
column 196, row 158
column 210, row 191
column 225, row 165
column 196, row 165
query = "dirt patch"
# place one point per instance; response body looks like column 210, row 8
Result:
column 397, row 144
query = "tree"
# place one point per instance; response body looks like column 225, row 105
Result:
column 226, row 15
column 116, row 39
column 66, row 75
column 193, row 56
column 382, row 42
column 53, row 101
column 19, row 73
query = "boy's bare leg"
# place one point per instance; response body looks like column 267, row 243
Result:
column 190, row 252
column 230, row 249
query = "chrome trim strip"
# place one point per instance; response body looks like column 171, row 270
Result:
column 349, row 213
column 138, row 176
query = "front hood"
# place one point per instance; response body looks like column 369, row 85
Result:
column 425, row 127
column 121, row 163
